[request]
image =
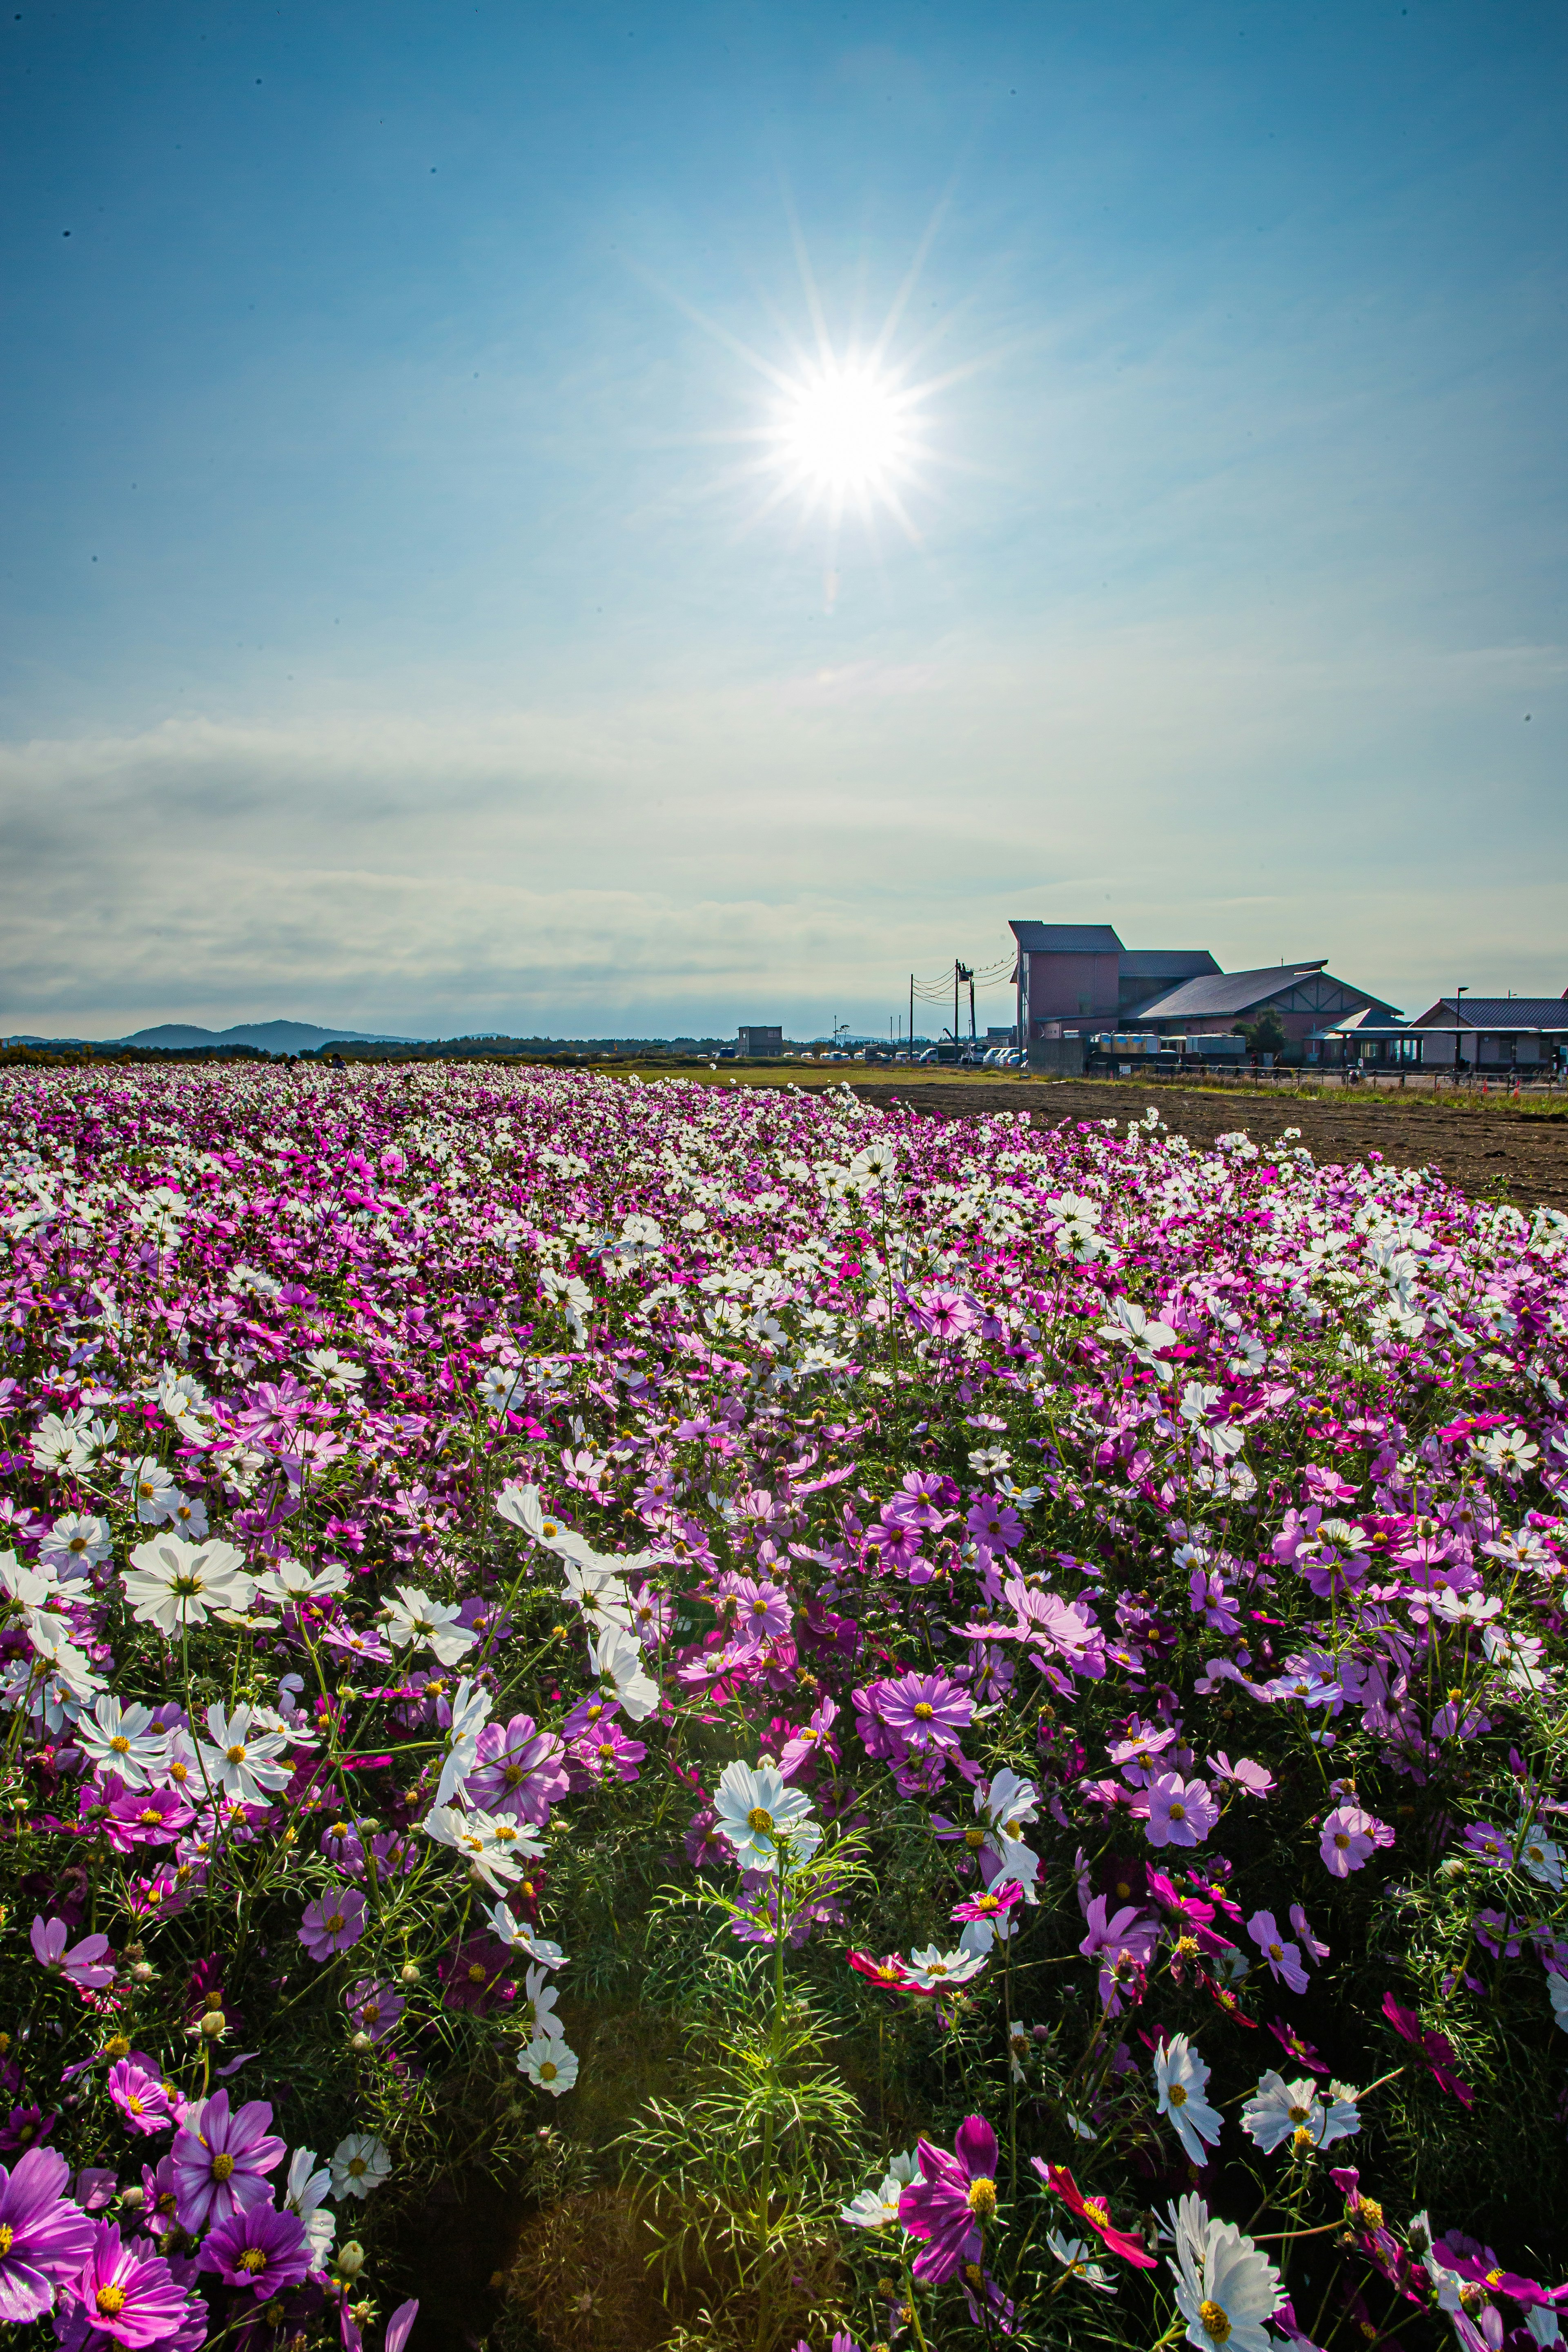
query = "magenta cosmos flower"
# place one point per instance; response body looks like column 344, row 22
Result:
column 334, row 1923
column 1349, row 1838
column 519, row 1771
column 83, row 1965
column 128, row 2293
column 44, row 2236
column 1181, row 1812
column 925, row 1710
column 261, row 2248
column 143, row 2099
column 221, row 2161
column 951, row 2201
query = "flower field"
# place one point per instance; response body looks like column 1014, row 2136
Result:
column 879, row 1731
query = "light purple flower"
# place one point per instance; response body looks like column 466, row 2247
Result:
column 221, row 2160
column 950, row 2203
column 374, row 2008
column 333, row 1923
column 1299, row 1921
column 1349, row 1838
column 46, row 2236
column 1284, row 1959
column 1181, row 1812
column 259, row 2248
column 925, row 1710
column 1122, row 1943
column 82, row 1966
column 128, row 2294
column 519, row 1770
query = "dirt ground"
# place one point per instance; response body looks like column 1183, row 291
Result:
column 1488, row 1149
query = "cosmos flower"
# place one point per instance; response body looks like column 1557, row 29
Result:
column 1181, row 2079
column 760, row 1815
column 45, row 2237
column 222, row 2160
column 952, row 2202
column 549, row 2064
column 129, row 2292
column 1226, row 2290
column 84, row 1965
column 359, row 2163
column 262, row 2247
column 1349, row 1838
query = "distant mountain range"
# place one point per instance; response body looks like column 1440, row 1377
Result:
column 268, row 1037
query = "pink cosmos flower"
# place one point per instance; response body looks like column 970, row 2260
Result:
column 374, row 2008
column 924, row 1499
column 519, row 1770
column 44, row 2236
column 1256, row 1778
column 333, row 1923
column 1302, row 1926
column 221, row 2160
column 762, row 1612
column 1284, row 1959
column 925, row 1710
column 1349, row 1838
column 141, row 2098
column 1123, row 1942
column 259, row 2248
column 146, row 1817
column 610, row 1755
column 951, row 2201
column 1181, row 1812
column 83, row 1965
column 128, row 2292
column 989, row 1906
column 946, row 1315
column 991, row 1521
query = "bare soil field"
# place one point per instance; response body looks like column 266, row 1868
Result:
column 1490, row 1147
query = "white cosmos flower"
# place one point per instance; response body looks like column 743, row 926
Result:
column 1078, row 2258
column 1182, row 2078
column 173, row 1584
column 599, row 1592
column 1557, row 1993
column 541, row 1997
column 1226, row 2290
column 619, row 1654
column 492, row 1844
column 58, row 1444
column 874, row 2208
column 413, row 1617
column 358, row 2164
column 934, row 1971
column 243, row 1760
column 306, row 2185
column 550, row 2064
column 1280, row 2109
column 516, row 1933
column 470, row 1713
column 289, row 1582
column 522, row 1507
column 758, row 1812
column 152, row 1489
column 76, row 1543
column 125, row 1739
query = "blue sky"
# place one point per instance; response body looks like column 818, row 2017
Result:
column 387, row 638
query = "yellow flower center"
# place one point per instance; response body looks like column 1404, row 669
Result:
column 6, row 2234
column 923, row 1710
column 134, row 2103
column 110, row 2300
column 120, row 1744
column 548, row 2072
column 759, row 1819
column 358, row 2167
column 1215, row 2325
column 236, row 1755
column 1275, row 1953
column 512, row 1776
column 222, row 2166
column 983, row 2198
column 1175, row 2094
column 1178, row 1812
column 477, row 1972
column 253, row 2260
column 1299, row 2114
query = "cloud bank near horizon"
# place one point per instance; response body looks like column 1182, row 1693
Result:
column 787, row 849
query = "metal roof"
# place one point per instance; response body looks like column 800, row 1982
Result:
column 1231, row 991
column 1065, row 939
column 1494, row 1013
column 1166, row 963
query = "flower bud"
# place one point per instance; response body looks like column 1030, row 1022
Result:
column 351, row 2258
column 409, row 1972
column 214, row 2025
column 361, row 2042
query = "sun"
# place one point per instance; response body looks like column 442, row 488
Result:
column 846, row 433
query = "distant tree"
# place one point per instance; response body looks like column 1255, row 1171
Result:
column 1264, row 1036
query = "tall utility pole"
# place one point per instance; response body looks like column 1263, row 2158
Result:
column 912, row 1016
column 1458, row 1010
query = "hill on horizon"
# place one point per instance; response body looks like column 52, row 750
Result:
column 270, row 1036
